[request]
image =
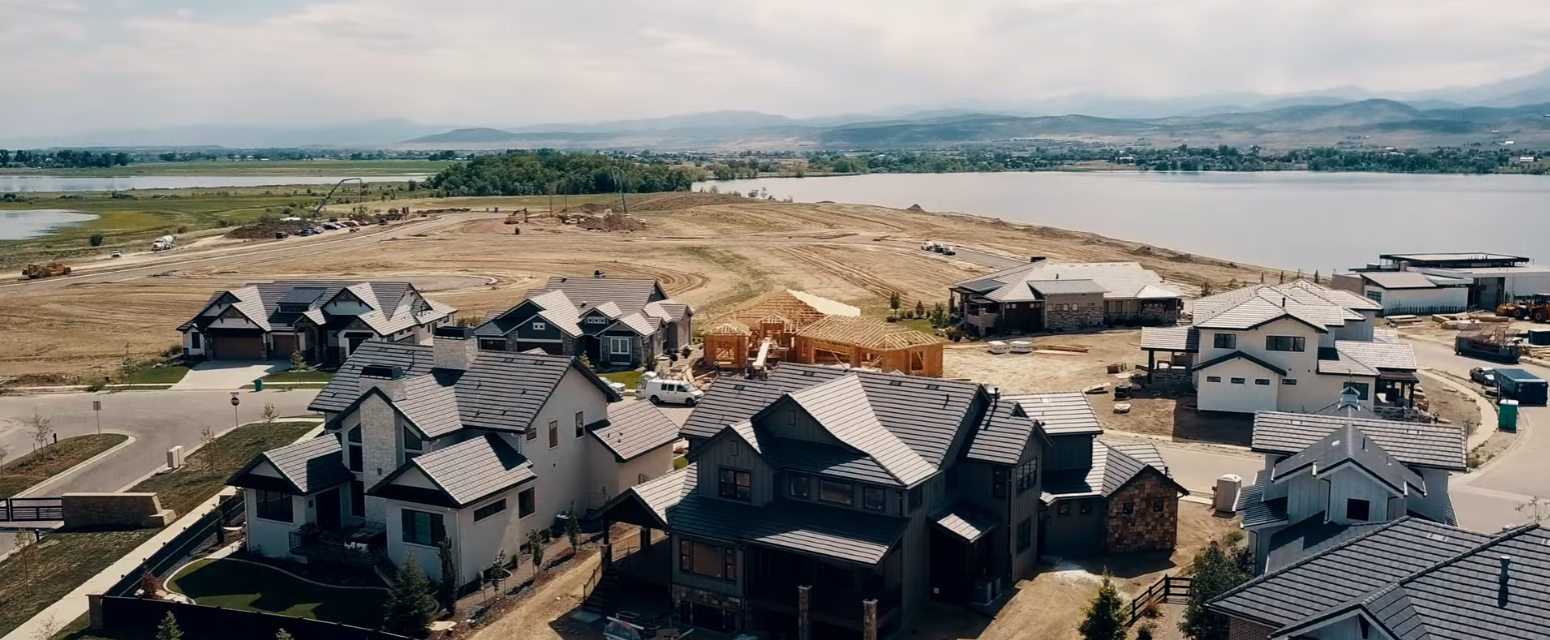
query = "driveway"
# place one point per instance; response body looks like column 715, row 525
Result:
column 227, row 375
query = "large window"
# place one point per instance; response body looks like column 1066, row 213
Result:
column 489, row 509
column 276, row 506
column 353, row 445
column 837, row 492
column 707, row 560
column 998, row 483
column 1024, row 534
column 1285, row 343
column 1225, row 341
column 735, row 485
column 873, row 498
column 1358, row 510
column 357, row 498
column 619, row 346
column 412, row 445
column 423, row 528
column 554, row 433
column 527, row 502
column 1361, row 389
column 1027, row 475
column 801, row 486
column 1375, row 295
column 581, row 424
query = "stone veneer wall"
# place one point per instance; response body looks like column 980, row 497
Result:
column 1144, row 529
column 1151, row 317
column 89, row 510
column 1088, row 312
column 1240, row 629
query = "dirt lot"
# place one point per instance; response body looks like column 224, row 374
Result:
column 1050, row 606
column 712, row 251
column 1158, row 414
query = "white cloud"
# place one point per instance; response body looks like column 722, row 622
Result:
column 136, row 63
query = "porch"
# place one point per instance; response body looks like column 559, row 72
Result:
column 362, row 545
column 836, row 592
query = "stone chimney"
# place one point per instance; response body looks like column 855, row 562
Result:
column 455, row 348
column 390, row 379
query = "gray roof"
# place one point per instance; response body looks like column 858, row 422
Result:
column 308, row 467
column 1341, row 363
column 1116, row 280
column 816, row 458
column 630, row 294
column 668, row 310
column 1415, row 444
column 789, row 525
column 1061, row 413
column 1312, row 304
column 1379, row 355
column 1416, row 580
column 1240, row 355
column 1347, row 445
column 728, row 402
column 473, row 470
column 843, row 408
column 430, row 403
column 1066, row 287
column 1003, row 435
column 966, row 522
column 499, row 391
column 1114, row 466
column 1310, row 537
column 1013, row 292
column 662, row 493
column 637, row 323
column 1182, row 339
column 1399, row 279
column 392, row 304
column 635, row 428
column 1257, row 511
column 552, row 306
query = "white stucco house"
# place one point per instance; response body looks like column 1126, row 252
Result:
column 1413, row 292
column 444, row 441
column 1295, row 347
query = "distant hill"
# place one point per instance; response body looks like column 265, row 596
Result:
column 477, row 135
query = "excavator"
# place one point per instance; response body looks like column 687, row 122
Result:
column 1535, row 308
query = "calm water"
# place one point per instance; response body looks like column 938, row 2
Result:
column 1312, row 221
column 86, row 183
column 20, row 225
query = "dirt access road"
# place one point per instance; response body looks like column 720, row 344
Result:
column 712, row 251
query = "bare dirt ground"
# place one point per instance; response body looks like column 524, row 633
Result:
column 712, row 251
column 1050, row 606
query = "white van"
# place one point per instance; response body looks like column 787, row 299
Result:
column 663, row 390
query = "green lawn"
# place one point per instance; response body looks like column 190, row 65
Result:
column 627, row 378
column 204, row 472
column 158, row 375
column 921, row 325
column 300, row 376
column 255, row 587
column 37, row 466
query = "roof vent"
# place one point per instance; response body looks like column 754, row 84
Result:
column 1501, row 581
column 382, row 371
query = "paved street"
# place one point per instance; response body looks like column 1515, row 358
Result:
column 158, row 420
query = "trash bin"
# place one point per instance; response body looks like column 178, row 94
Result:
column 258, row 385
column 1507, row 416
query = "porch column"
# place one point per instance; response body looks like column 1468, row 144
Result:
column 804, row 616
column 645, row 538
column 869, row 619
column 608, row 547
column 1151, row 364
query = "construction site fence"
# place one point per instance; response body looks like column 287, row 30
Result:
column 1421, row 311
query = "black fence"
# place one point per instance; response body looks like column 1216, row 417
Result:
column 1421, row 311
column 130, row 616
column 202, row 533
column 32, row 510
column 1166, row 589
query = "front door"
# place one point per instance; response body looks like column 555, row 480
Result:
column 328, row 509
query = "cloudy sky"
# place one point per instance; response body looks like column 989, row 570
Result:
column 84, row 65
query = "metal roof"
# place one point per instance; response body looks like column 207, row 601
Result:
column 1061, row 413
column 635, row 428
column 1348, row 445
column 1066, row 287
column 1181, row 339
column 472, row 470
column 308, row 467
column 1003, row 435
column 1445, row 257
column 842, row 408
column 1415, row 444
column 1394, row 280
column 966, row 522
column 1240, row 355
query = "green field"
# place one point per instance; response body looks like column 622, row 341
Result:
column 251, row 168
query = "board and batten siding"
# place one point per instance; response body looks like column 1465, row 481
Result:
column 1306, row 496
column 1025, row 506
column 1347, row 483
column 733, row 453
column 792, row 423
column 1070, row 452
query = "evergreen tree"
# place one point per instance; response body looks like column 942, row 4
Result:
column 409, row 607
column 168, row 629
column 573, row 529
column 446, row 590
column 1213, row 573
column 894, row 301
column 920, row 309
column 1106, row 615
column 535, row 549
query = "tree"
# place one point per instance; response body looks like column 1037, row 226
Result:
column 271, row 414
column 96, row 240
column 1537, row 509
column 150, row 586
column 535, row 548
column 1206, row 289
column 1106, row 615
column 573, row 529
column 41, row 428
column 21, row 549
column 1213, row 573
column 409, row 607
column 894, row 301
column 447, row 588
column 920, row 309
column 298, row 361
column 168, row 629
column 1315, row 277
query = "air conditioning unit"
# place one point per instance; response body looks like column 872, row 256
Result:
column 1226, row 493
column 175, row 457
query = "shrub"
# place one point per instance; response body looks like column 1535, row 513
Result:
column 183, row 229
column 1105, row 619
column 96, row 239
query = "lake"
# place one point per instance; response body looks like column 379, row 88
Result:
column 20, row 225
column 20, row 183
column 1311, row 221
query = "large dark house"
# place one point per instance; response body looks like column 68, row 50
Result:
column 1046, row 296
column 614, row 322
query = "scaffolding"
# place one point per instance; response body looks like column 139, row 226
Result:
column 869, row 343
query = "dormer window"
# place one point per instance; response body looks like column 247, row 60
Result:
column 293, row 308
column 540, row 326
column 412, row 445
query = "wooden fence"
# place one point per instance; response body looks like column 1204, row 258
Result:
column 1166, row 589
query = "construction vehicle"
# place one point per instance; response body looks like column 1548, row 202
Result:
column 36, row 271
column 1535, row 308
column 163, row 243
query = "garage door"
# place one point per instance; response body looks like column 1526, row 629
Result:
column 284, row 345
column 237, row 347
column 550, row 348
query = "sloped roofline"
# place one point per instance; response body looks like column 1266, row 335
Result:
column 1237, row 355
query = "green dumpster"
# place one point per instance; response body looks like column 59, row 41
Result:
column 258, row 385
column 1507, row 417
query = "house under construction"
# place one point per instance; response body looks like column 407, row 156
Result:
column 794, row 326
column 871, row 343
column 767, row 327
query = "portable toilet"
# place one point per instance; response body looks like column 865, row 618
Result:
column 1507, row 416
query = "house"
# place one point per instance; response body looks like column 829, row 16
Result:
column 425, row 443
column 324, row 320
column 768, row 326
column 1409, row 579
column 614, row 322
column 1413, row 292
column 1489, row 278
column 1099, row 497
column 1046, row 296
column 1327, row 474
column 1293, row 347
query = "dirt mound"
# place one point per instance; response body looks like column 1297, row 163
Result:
column 590, row 207
column 916, row 208
column 1142, row 250
column 1182, row 257
column 611, row 222
column 673, row 201
column 262, row 230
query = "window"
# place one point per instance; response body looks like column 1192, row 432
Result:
column 1285, row 343
column 492, row 344
column 1225, row 341
column 1213, row 378
column 1375, row 296
column 791, row 418
column 581, row 424
column 735, row 485
column 801, row 486
column 532, row 434
column 998, row 483
column 1158, row 506
column 1263, row 382
column 915, row 497
column 412, row 445
column 1085, row 506
column 1357, row 509
column 357, row 498
column 423, row 528
column 353, row 442
column 872, row 498
column 276, row 506
column 489, row 509
column 1128, row 508
column 837, row 492
column 596, row 319
column 540, row 326
column 1361, row 389
column 1024, row 534
column 711, row 561
column 1239, row 380
column 1027, row 475
column 527, row 503
column 554, row 433
column 618, row 345
column 1063, row 509
column 1289, row 382
column 194, row 340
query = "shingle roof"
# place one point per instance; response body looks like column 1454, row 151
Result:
column 966, row 522
column 630, row 294
column 1414, row 444
column 393, row 307
column 1066, row 287
column 843, row 408
column 634, row 428
column 470, row 471
column 1003, row 434
column 308, row 467
column 1240, row 355
column 1347, row 445
column 1118, row 280
column 1061, row 413
column 1182, row 339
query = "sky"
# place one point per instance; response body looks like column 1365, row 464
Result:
column 71, row 66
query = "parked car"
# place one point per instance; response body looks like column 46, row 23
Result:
column 115, row 254
column 1483, row 375
column 306, row 232
column 663, row 390
column 280, row 235
column 948, row 250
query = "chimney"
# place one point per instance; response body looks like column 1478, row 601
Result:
column 390, row 379
column 454, row 348
column 1501, row 582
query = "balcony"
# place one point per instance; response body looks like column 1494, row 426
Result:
column 360, row 546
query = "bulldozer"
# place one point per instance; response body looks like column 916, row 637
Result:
column 1534, row 308
column 35, row 271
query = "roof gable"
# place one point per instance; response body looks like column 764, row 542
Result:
column 842, row 408
column 1348, row 446
column 1415, row 444
column 463, row 474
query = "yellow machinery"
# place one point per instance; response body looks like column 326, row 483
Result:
column 35, row 271
column 1535, row 308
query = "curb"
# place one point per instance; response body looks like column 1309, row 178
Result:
column 190, row 451
column 80, row 465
